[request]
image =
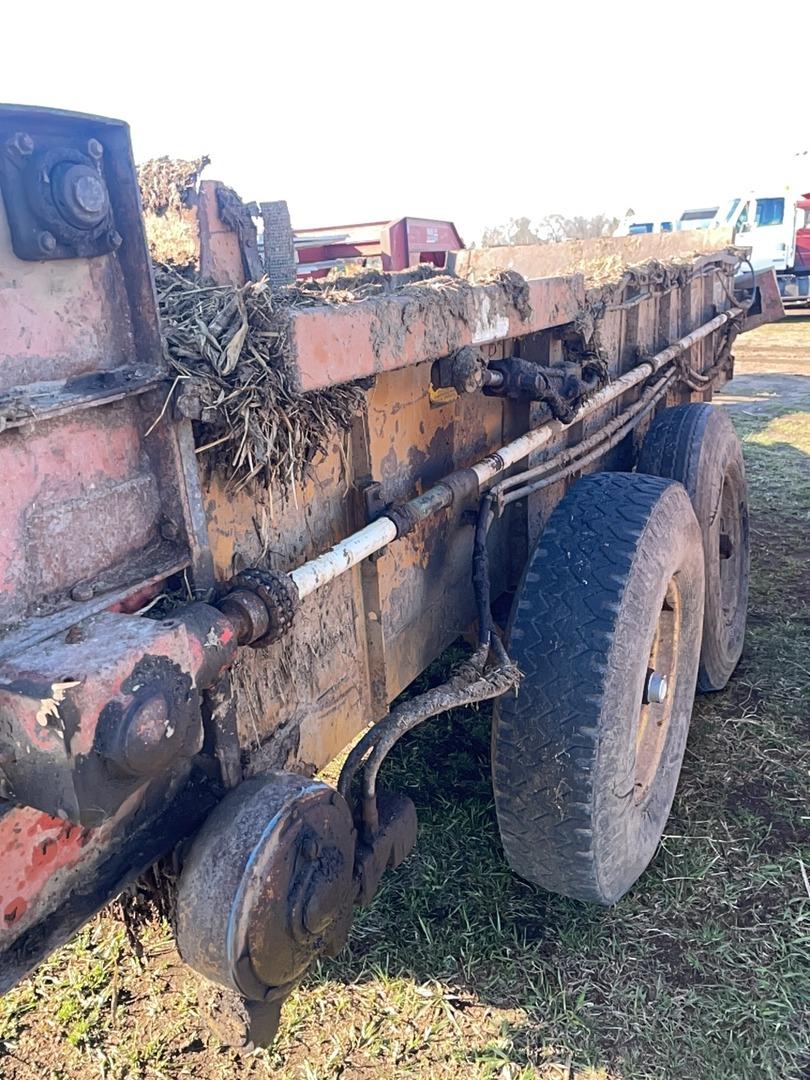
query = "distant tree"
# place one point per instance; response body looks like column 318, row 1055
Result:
column 549, row 230
column 518, row 231
column 521, row 232
column 557, row 227
column 494, row 236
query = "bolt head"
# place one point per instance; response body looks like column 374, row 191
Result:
column 95, row 149
column 90, row 194
column 82, row 591
column 46, row 242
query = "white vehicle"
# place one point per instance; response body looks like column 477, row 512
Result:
column 776, row 227
column 636, row 224
column 700, row 218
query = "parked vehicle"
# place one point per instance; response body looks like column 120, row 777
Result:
column 697, row 218
column 189, row 631
column 383, row 245
column 776, row 228
column 640, row 225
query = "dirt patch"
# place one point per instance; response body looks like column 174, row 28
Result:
column 443, row 307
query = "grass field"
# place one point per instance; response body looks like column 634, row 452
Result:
column 461, row 970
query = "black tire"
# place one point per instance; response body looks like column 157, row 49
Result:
column 697, row 446
column 573, row 813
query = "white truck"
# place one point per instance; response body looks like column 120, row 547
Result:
column 776, row 228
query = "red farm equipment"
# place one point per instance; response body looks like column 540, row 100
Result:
column 202, row 603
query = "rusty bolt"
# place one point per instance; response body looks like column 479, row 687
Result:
column 74, row 635
column 187, row 404
column 22, row 142
column 82, row 591
column 168, row 530
column 95, row 149
column 46, row 242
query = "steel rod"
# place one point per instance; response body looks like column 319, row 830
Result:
column 367, row 541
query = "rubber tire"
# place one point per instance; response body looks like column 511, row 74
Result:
column 581, row 630
column 697, row 446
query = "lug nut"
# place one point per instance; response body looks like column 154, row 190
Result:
column 656, row 688
column 95, row 149
column 46, row 242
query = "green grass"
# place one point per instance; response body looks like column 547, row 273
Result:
column 459, row 969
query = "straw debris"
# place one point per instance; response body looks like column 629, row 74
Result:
column 226, row 347
column 169, row 184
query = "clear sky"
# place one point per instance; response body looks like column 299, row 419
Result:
column 472, row 111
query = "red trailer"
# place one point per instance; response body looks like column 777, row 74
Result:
column 385, row 245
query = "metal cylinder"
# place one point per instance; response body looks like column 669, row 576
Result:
column 267, row 885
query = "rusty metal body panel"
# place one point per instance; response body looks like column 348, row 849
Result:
column 104, row 502
column 333, row 345
column 551, row 260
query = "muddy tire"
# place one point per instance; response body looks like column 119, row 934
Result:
column 697, row 446
column 584, row 772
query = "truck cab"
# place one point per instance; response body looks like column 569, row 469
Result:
column 765, row 223
column 776, row 228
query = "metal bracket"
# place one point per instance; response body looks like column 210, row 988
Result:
column 56, row 198
column 393, row 841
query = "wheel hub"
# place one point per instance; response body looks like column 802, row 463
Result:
column 268, row 885
column 656, row 701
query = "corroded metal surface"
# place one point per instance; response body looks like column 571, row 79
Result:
column 119, row 733
column 332, row 345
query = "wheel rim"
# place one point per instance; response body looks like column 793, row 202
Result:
column 654, row 716
column 730, row 551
